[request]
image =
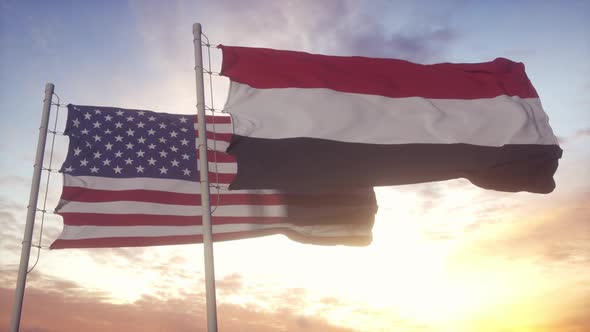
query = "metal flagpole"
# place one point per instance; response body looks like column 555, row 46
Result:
column 31, row 212
column 204, row 176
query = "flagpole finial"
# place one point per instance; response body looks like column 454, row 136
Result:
column 196, row 28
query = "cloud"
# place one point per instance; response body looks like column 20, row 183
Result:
column 549, row 233
column 419, row 47
column 230, row 284
column 12, row 216
column 579, row 134
column 14, row 180
column 340, row 27
column 576, row 318
column 583, row 132
column 56, row 305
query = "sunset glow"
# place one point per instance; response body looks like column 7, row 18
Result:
column 446, row 256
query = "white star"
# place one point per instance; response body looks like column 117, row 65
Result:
column 141, row 112
column 152, row 161
column 141, row 140
column 117, row 169
column 69, row 169
column 108, row 118
column 106, row 162
column 184, row 130
column 162, row 140
column 108, row 146
column 129, row 146
column 184, row 142
column 119, row 138
column 130, row 118
column 118, row 154
column 162, row 125
column 151, row 146
column 140, row 153
column 139, row 169
column 163, row 154
column 76, row 122
column 118, row 125
column 96, row 138
column 174, row 162
column 130, row 132
column 94, row 169
column 84, row 162
column 97, row 154
column 87, row 116
column 97, row 111
column 88, row 145
column 186, row 171
column 152, row 118
column 128, row 161
column 151, row 132
column 77, row 151
column 185, row 156
column 173, row 134
column 108, row 132
column 174, row 149
column 183, row 120
column 140, row 125
column 163, row 170
column 97, row 124
column 119, row 112
column 84, row 131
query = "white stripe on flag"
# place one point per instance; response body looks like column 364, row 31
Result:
column 179, row 186
column 372, row 119
column 228, row 168
column 104, row 183
column 93, row 232
column 215, row 145
column 131, row 207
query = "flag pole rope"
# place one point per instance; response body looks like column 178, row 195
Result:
column 44, row 211
column 213, row 110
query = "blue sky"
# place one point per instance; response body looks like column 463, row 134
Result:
column 494, row 257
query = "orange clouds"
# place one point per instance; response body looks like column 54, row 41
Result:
column 67, row 307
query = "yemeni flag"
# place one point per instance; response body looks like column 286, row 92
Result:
column 304, row 121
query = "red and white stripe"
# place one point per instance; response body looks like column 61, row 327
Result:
column 381, row 101
column 303, row 121
column 107, row 212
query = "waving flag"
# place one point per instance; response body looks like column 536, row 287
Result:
column 303, row 120
column 131, row 179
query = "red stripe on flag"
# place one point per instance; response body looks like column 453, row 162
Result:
column 79, row 194
column 214, row 119
column 100, row 219
column 217, row 119
column 218, row 156
column 217, row 136
column 267, row 69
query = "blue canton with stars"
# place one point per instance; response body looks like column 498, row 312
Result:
column 121, row 143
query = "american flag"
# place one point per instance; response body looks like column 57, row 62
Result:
column 131, row 179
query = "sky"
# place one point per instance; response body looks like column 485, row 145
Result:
column 446, row 256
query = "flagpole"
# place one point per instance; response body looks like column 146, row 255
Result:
column 204, row 176
column 31, row 212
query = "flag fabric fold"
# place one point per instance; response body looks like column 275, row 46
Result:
column 131, row 179
column 305, row 120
